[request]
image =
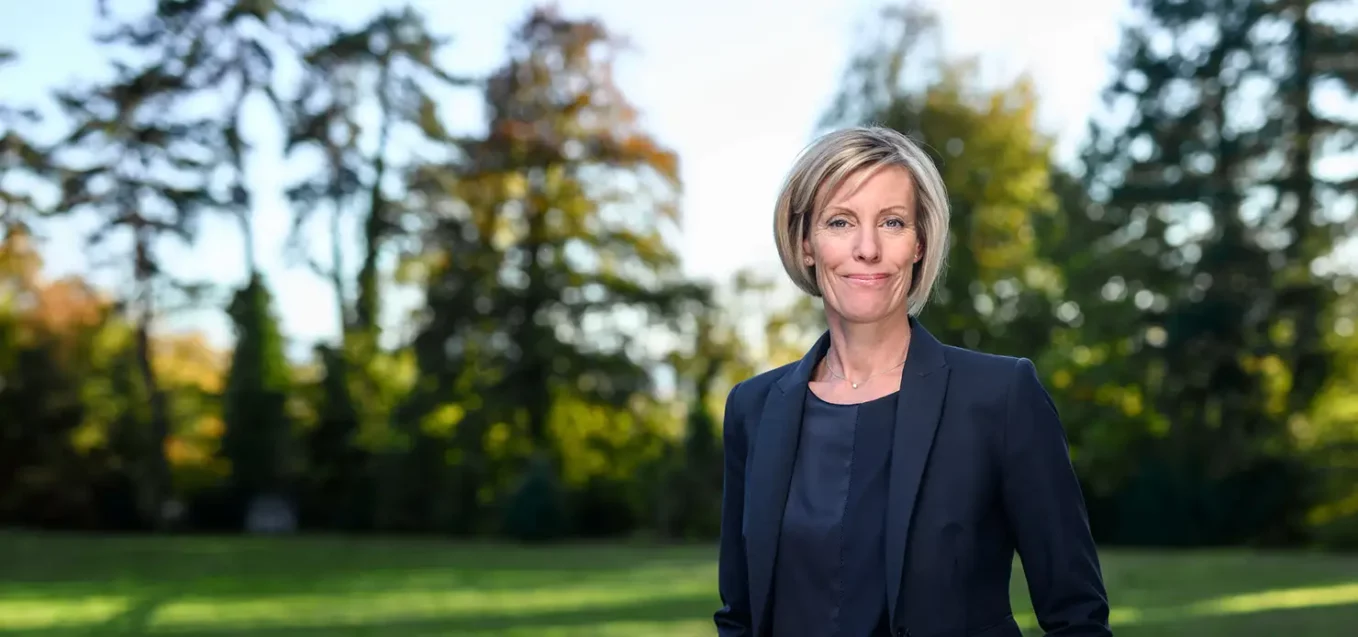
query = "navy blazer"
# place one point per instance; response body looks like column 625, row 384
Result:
column 980, row 468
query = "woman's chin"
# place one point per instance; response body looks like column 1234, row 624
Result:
column 868, row 314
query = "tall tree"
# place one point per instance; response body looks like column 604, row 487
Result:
column 557, row 230
column 229, row 51
column 369, row 106
column 141, row 165
column 1215, row 209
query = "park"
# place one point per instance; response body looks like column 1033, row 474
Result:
column 319, row 323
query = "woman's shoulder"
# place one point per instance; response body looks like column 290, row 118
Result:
column 974, row 361
column 744, row 400
column 990, row 373
column 757, row 386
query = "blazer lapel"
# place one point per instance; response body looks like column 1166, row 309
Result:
column 924, row 381
column 770, row 473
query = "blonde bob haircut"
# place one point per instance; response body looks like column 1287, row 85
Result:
column 830, row 160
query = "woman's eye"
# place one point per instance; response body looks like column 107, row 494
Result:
column 837, row 223
column 896, row 223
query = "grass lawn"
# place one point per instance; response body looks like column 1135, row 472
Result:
column 58, row 586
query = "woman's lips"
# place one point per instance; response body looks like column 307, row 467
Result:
column 867, row 279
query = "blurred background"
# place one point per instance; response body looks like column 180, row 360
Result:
column 366, row 318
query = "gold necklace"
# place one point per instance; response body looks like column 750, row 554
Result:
column 853, row 384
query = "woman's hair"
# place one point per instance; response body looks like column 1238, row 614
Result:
column 826, row 164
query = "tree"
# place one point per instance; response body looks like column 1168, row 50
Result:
column 59, row 353
column 236, row 47
column 258, row 437
column 551, row 228
column 1213, row 209
column 139, row 164
column 386, row 66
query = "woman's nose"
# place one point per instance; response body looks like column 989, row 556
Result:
column 867, row 248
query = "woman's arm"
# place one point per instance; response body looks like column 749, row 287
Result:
column 1047, row 514
column 733, row 620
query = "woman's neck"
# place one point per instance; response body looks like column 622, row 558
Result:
column 858, row 350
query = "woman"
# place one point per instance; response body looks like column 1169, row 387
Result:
column 881, row 485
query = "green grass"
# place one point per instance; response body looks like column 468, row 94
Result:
column 64, row 585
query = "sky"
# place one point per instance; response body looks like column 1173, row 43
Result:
column 735, row 87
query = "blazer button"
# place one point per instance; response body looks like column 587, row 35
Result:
column 901, row 632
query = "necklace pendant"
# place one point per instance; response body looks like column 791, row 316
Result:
column 855, row 385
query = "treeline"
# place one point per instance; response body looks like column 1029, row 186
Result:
column 1185, row 288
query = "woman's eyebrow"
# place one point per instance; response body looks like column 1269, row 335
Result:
column 891, row 208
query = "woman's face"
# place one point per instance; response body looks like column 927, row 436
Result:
column 864, row 245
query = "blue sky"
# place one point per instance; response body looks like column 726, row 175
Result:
column 734, row 86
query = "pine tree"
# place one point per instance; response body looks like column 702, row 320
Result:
column 1215, row 227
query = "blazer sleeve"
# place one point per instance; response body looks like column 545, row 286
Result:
column 733, row 619
column 1046, row 512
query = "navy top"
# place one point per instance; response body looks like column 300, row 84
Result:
column 830, row 575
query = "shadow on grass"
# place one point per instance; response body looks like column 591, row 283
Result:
column 314, row 586
column 73, row 566
column 1299, row 613
column 135, row 620
column 248, row 585
column 667, row 610
column 1317, row 621
column 1146, row 578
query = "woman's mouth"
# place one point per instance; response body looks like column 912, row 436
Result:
column 866, row 279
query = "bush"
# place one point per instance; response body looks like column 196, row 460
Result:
column 535, row 511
